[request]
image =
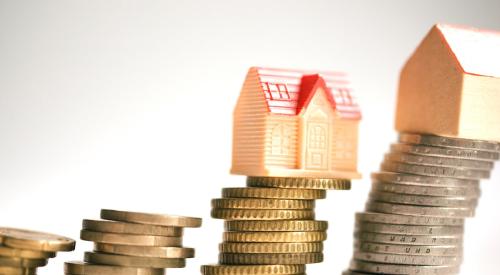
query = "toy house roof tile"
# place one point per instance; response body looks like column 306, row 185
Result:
column 476, row 51
column 287, row 92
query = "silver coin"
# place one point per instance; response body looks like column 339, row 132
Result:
column 408, row 239
column 423, row 200
column 445, row 152
column 435, row 171
column 407, row 219
column 439, row 161
column 409, row 229
column 470, row 192
column 428, row 250
column 449, row 142
column 419, row 210
column 402, row 269
column 402, row 178
column 406, row 259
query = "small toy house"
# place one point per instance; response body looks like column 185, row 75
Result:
column 450, row 86
column 295, row 124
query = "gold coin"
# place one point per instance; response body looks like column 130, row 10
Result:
column 286, row 258
column 21, row 262
column 145, row 251
column 129, row 239
column 261, row 214
column 275, row 237
column 8, row 270
column 274, row 193
column 284, row 225
column 251, row 248
column 243, row 203
column 305, row 183
column 132, row 261
column 131, row 228
column 23, row 253
column 146, row 218
column 253, row 269
column 33, row 240
column 81, row 268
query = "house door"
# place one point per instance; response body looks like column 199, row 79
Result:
column 317, row 146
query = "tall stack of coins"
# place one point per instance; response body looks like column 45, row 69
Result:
column 414, row 218
column 133, row 243
column 23, row 251
column 270, row 226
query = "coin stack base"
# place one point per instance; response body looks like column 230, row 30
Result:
column 133, row 243
column 415, row 214
column 270, row 226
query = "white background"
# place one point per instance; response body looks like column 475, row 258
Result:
column 128, row 105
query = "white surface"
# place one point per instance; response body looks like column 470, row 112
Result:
column 128, row 105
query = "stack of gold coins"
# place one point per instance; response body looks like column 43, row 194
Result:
column 23, row 251
column 414, row 218
column 270, row 226
column 133, row 243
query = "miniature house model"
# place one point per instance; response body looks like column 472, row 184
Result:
column 295, row 124
column 450, row 86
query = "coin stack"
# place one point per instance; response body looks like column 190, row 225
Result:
column 270, row 226
column 133, row 243
column 23, row 251
column 414, row 218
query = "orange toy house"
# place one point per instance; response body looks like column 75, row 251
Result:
column 295, row 124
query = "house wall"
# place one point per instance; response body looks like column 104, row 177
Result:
column 344, row 144
column 281, row 142
column 249, row 127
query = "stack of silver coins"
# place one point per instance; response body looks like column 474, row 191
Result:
column 414, row 218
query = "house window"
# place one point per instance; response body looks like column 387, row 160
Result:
column 280, row 140
column 345, row 96
column 317, row 138
column 276, row 91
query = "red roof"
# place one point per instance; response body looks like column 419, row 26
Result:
column 287, row 92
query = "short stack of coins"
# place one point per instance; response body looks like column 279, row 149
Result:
column 270, row 226
column 23, row 251
column 414, row 219
column 133, row 243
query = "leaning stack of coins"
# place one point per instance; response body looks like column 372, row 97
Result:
column 270, row 226
column 414, row 219
column 23, row 251
column 133, row 243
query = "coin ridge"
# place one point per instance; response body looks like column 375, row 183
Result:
column 307, row 183
column 251, row 248
column 275, row 237
column 284, row 258
column 250, row 203
column 261, row 214
column 276, row 225
column 252, row 269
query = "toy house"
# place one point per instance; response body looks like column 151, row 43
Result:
column 295, row 124
column 450, row 86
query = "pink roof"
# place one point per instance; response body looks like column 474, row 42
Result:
column 477, row 51
column 287, row 92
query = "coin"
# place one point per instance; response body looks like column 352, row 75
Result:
column 261, row 214
column 419, row 210
column 469, row 192
column 276, row 225
column 430, row 250
column 401, row 178
column 23, row 253
column 449, row 142
column 439, row 161
column 131, row 228
column 33, row 240
column 407, row 219
column 8, row 270
column 81, row 268
column 402, row 269
column 435, row 171
column 306, row 183
column 445, row 152
column 253, row 269
column 381, row 196
column 273, row 258
column 132, row 261
column 408, row 239
column 153, row 219
column 22, row 262
column 275, row 237
column 130, row 239
column 243, row 203
column 145, row 251
column 274, row 193
column 409, row 229
column 250, row 248
column 405, row 259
